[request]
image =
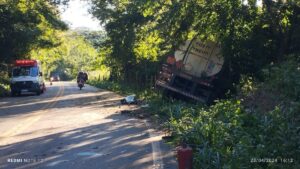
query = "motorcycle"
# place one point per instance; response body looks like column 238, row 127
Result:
column 80, row 83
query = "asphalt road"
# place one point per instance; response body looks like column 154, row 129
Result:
column 70, row 128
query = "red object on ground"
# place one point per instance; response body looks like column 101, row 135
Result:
column 185, row 157
column 26, row 63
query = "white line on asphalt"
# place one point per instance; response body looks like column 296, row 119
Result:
column 54, row 163
column 156, row 152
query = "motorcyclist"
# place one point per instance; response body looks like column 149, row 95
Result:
column 80, row 76
column 85, row 76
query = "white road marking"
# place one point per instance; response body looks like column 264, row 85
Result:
column 54, row 163
column 89, row 154
column 156, row 151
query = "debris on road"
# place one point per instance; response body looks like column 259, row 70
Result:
column 131, row 99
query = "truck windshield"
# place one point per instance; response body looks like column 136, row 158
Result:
column 25, row 71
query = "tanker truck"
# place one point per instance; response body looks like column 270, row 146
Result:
column 195, row 71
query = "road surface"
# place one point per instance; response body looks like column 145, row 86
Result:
column 70, row 128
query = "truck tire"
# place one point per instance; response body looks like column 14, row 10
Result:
column 38, row 93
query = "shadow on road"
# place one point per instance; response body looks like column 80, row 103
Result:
column 109, row 145
column 70, row 97
column 114, row 142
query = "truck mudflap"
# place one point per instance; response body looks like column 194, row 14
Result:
column 174, row 89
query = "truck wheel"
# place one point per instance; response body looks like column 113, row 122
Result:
column 38, row 93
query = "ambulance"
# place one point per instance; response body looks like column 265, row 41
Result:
column 26, row 77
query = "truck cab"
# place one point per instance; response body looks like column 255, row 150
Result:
column 27, row 76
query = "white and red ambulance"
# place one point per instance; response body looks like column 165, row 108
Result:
column 27, row 76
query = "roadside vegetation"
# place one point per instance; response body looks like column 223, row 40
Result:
column 261, row 123
column 258, row 122
column 258, row 117
column 4, row 81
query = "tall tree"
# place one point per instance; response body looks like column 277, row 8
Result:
column 251, row 35
column 122, row 20
column 73, row 54
column 27, row 24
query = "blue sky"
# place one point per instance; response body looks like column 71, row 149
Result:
column 77, row 15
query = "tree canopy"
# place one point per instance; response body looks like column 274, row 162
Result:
column 139, row 33
column 26, row 25
column 73, row 54
column 251, row 35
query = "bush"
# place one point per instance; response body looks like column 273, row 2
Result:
column 4, row 84
column 4, row 90
column 225, row 136
column 285, row 78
